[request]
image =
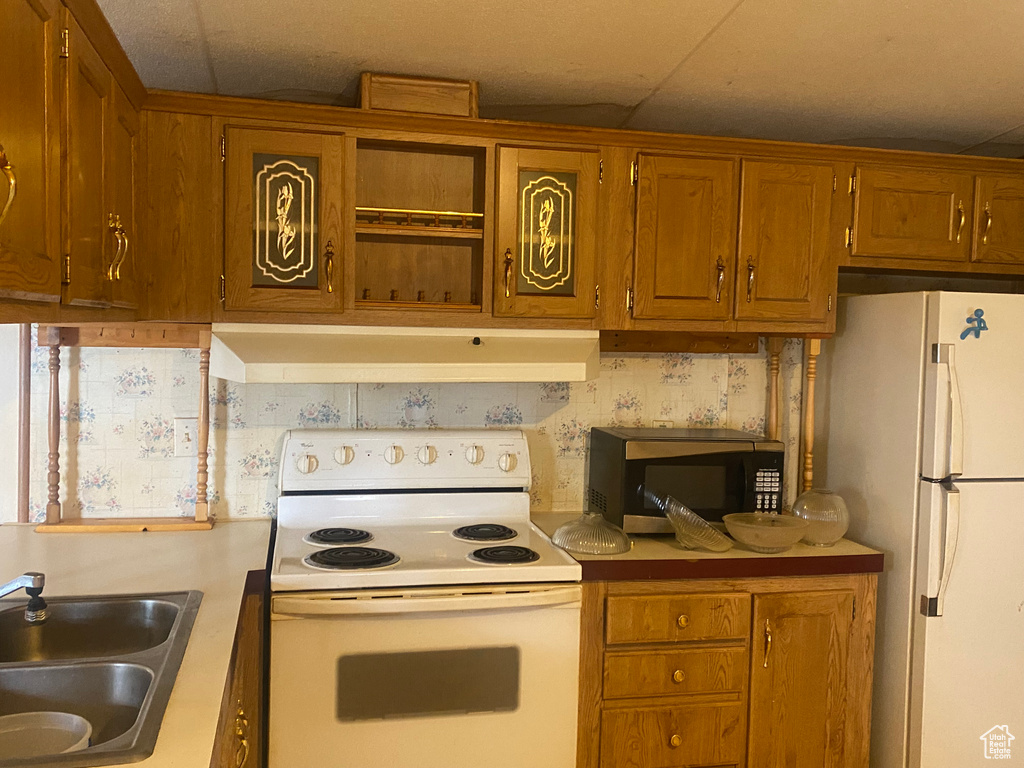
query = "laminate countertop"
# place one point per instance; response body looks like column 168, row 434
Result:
column 215, row 562
column 661, row 557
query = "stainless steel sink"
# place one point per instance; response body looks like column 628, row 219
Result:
column 111, row 660
column 88, row 628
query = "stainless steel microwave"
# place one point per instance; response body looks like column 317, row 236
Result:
column 712, row 471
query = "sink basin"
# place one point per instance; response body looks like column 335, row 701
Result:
column 108, row 695
column 85, row 629
column 111, row 660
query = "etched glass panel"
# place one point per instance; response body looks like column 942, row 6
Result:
column 286, row 209
column 547, row 234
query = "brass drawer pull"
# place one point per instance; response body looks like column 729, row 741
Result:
column 683, row 621
column 8, row 171
column 721, row 278
column 750, row 278
column 767, row 642
column 960, row 217
column 675, row 741
column 988, row 225
column 678, row 676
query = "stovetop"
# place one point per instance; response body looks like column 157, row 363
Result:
column 368, row 509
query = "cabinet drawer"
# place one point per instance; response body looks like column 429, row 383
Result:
column 675, row 618
column 695, row 670
column 663, row 737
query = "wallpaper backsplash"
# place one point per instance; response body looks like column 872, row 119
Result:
column 118, row 408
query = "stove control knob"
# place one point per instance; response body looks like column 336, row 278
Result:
column 393, row 454
column 345, row 454
column 307, row 463
column 475, row 454
column 427, row 454
column 507, row 462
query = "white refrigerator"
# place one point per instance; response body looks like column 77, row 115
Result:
column 923, row 436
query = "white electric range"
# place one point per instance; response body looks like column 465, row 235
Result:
column 417, row 615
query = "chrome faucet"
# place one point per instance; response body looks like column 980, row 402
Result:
column 35, row 611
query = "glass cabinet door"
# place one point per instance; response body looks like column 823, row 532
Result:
column 283, row 233
column 547, row 215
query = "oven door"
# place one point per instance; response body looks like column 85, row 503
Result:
column 425, row 678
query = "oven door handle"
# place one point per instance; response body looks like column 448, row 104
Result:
column 333, row 605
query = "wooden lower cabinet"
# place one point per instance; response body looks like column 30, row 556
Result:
column 240, row 729
column 754, row 673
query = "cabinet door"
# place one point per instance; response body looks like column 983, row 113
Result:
column 30, row 142
column 123, row 152
column 911, row 213
column 283, row 232
column 685, row 238
column 785, row 267
column 547, row 215
column 91, row 241
column 999, row 219
column 798, row 679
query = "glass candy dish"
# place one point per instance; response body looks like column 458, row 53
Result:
column 764, row 532
column 591, row 534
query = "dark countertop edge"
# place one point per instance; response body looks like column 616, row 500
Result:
column 724, row 568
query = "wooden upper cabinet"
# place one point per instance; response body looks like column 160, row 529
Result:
column 123, row 155
column 91, row 240
column 785, row 269
column 545, row 250
column 999, row 219
column 283, row 224
column 685, row 257
column 30, row 156
column 912, row 213
column 798, row 679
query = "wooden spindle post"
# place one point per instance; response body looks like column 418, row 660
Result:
column 202, row 454
column 774, row 395
column 813, row 350
column 53, row 436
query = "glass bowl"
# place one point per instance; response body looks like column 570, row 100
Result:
column 591, row 534
column 827, row 514
column 692, row 530
column 764, row 532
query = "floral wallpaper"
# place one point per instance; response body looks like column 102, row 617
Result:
column 118, row 408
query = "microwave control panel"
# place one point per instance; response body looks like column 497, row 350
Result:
column 768, row 490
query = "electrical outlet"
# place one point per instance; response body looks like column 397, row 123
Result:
column 186, row 431
column 663, row 423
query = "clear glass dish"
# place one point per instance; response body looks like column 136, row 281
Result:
column 591, row 534
column 692, row 531
column 765, row 532
column 827, row 514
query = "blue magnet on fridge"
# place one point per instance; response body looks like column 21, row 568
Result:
column 975, row 324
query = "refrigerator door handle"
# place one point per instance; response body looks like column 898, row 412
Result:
column 932, row 606
column 945, row 354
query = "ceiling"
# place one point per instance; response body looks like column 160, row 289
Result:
column 940, row 75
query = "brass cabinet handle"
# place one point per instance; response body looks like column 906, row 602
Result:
column 12, row 183
column 675, row 741
column 721, row 279
column 114, row 225
column 959, row 218
column 767, row 642
column 678, row 676
column 750, row 278
column 124, row 250
column 988, row 225
column 508, row 273
column 242, row 753
column 629, row 299
column 597, row 297
column 683, row 621
column 329, row 265
column 242, row 733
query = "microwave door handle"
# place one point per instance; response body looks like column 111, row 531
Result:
column 328, row 605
